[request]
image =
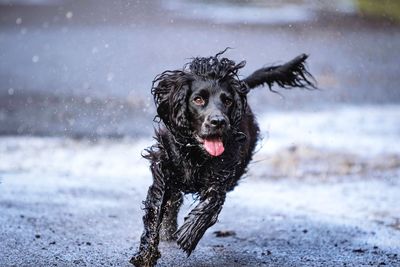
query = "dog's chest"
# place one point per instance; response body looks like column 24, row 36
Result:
column 199, row 176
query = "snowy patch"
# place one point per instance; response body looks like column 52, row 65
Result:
column 357, row 129
column 107, row 159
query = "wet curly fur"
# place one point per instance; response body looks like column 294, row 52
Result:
column 202, row 106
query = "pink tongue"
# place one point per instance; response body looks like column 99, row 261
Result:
column 214, row 146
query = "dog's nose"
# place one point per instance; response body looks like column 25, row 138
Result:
column 217, row 121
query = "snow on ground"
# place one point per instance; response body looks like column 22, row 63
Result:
column 360, row 130
column 336, row 169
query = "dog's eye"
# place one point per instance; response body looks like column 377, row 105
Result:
column 227, row 102
column 199, row 101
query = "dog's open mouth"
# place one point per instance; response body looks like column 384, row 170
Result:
column 213, row 145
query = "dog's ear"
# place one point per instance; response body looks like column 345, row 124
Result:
column 240, row 102
column 170, row 91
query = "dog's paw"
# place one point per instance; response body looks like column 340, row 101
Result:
column 186, row 239
column 184, row 244
column 145, row 258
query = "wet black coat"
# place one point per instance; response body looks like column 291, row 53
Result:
column 179, row 162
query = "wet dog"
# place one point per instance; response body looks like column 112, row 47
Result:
column 205, row 140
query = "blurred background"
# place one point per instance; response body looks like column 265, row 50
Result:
column 84, row 68
column 76, row 112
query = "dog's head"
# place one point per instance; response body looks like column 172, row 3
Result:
column 204, row 102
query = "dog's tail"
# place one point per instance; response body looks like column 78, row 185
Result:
column 291, row 74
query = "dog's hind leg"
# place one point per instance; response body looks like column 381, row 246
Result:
column 155, row 204
column 169, row 223
column 203, row 216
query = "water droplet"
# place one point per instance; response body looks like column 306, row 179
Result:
column 110, row 76
column 35, row 59
column 69, row 15
column 88, row 100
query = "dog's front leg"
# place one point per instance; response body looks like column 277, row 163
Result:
column 203, row 216
column 169, row 224
column 155, row 202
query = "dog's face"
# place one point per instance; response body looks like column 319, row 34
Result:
column 209, row 109
column 204, row 103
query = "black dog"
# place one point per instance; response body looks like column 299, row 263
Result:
column 204, row 144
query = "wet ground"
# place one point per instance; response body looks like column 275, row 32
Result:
column 75, row 114
column 304, row 202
